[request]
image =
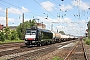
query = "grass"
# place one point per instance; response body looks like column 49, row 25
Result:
column 88, row 41
column 9, row 41
column 56, row 58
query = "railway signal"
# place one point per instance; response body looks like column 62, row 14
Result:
column 86, row 33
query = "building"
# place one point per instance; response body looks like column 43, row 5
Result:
column 41, row 25
column 11, row 27
column 1, row 27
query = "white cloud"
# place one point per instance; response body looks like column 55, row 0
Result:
column 67, row 25
column 23, row 10
column 26, row 19
column 65, row 8
column 14, row 10
column 48, row 5
column 55, row 21
column 1, row 9
column 81, row 4
column 17, row 11
column 3, row 20
column 42, row 19
column 67, row 20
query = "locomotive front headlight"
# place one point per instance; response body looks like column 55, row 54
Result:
column 25, row 39
column 34, row 38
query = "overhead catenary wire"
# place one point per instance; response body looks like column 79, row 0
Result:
column 57, row 11
column 63, row 14
column 54, row 8
column 44, row 8
column 21, row 8
column 18, row 7
column 1, row 14
column 10, row 4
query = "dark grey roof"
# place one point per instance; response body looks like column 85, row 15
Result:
column 11, row 27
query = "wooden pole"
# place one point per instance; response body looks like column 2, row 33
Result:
column 6, row 17
column 23, row 26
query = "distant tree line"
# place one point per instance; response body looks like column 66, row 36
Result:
column 8, row 34
column 62, row 32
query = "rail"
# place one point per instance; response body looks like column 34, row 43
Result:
column 84, row 52
column 69, row 54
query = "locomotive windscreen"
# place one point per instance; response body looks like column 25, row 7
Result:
column 30, row 32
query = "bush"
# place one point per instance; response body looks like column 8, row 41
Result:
column 2, row 36
column 84, row 39
column 7, row 33
column 14, row 35
column 56, row 58
column 88, row 41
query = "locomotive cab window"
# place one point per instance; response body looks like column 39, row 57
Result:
column 30, row 32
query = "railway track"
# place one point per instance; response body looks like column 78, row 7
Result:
column 77, row 53
column 11, row 46
column 30, row 53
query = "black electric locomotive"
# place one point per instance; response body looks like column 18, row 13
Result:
column 36, row 36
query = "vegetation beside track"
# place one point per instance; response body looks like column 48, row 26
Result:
column 87, row 41
column 56, row 58
column 8, row 35
column 9, row 41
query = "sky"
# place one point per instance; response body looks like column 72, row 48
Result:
column 70, row 16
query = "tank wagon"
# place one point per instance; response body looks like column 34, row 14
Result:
column 38, row 36
column 63, row 37
column 56, row 37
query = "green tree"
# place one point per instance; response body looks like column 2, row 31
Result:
column 2, row 36
column 23, row 26
column 88, row 25
column 7, row 33
column 19, row 31
column 14, row 35
column 62, row 32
